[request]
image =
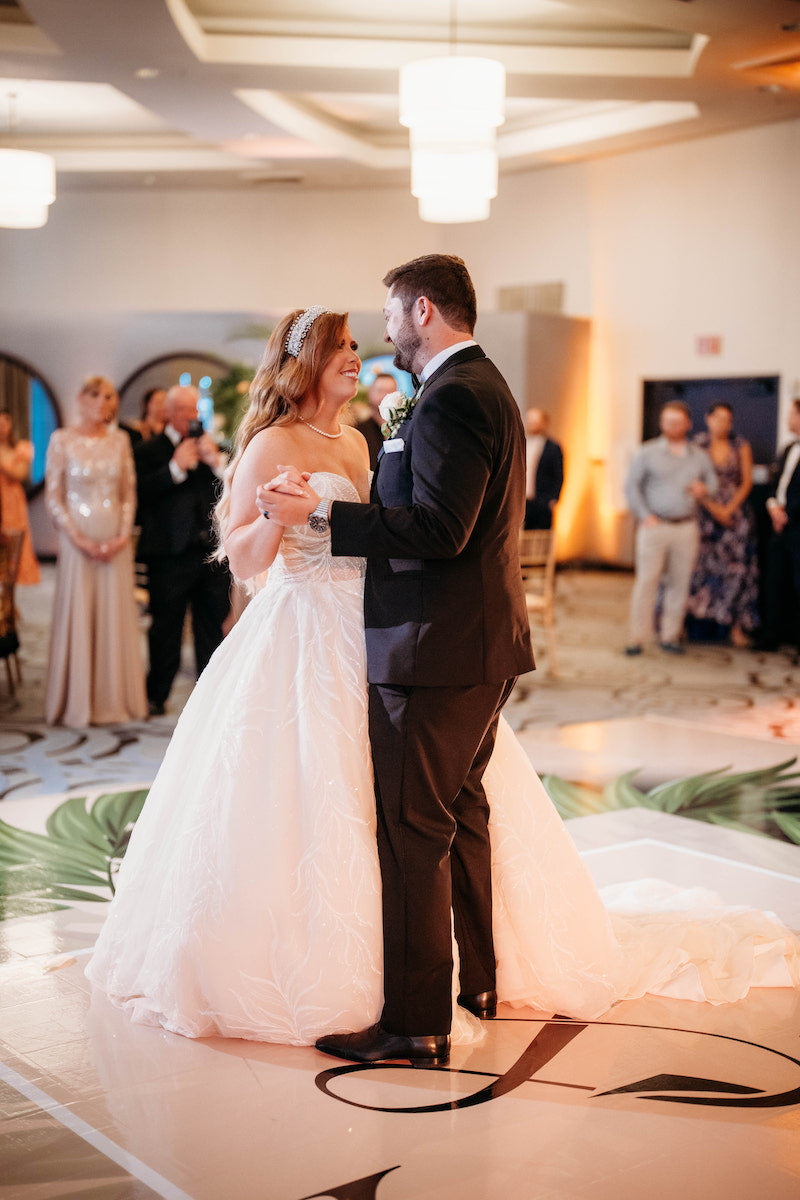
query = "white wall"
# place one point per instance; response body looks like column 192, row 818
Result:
column 189, row 251
column 657, row 247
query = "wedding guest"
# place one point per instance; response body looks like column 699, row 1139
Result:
column 724, row 586
column 16, row 457
column 381, row 386
column 95, row 674
column 154, row 413
column 667, row 477
column 178, row 475
column 544, row 471
column 783, row 554
column 152, row 420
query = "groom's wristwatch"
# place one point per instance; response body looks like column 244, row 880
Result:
column 318, row 519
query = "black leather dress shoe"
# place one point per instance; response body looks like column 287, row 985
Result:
column 482, row 1005
column 376, row 1044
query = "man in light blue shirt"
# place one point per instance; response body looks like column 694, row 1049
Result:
column 667, row 477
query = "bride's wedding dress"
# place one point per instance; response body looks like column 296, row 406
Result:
column 248, row 903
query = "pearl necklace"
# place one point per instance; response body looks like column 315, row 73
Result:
column 320, row 431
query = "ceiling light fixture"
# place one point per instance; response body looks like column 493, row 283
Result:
column 453, row 106
column 27, row 183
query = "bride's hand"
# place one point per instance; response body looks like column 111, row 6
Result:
column 290, row 481
column 288, row 498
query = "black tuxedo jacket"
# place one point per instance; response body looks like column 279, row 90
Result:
column 550, row 472
column 792, row 489
column 174, row 517
column 444, row 602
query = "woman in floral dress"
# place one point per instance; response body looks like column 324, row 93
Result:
column 724, row 586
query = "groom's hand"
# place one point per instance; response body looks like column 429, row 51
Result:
column 287, row 499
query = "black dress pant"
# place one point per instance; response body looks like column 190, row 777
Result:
column 176, row 583
column 538, row 514
column 782, row 587
column 430, row 748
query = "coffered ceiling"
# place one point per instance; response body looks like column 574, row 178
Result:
column 254, row 93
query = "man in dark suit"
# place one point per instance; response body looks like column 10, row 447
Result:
column 544, row 471
column 783, row 552
column 178, row 484
column 447, row 633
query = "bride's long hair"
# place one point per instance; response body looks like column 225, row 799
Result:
column 280, row 385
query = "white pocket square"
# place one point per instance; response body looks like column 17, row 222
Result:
column 393, row 445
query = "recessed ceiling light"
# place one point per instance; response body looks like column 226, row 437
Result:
column 147, row 72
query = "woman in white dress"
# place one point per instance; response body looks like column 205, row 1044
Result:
column 248, row 903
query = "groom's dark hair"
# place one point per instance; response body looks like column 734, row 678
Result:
column 445, row 280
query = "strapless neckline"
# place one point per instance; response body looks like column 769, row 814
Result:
column 333, row 475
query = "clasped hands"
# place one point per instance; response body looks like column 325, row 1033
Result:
column 99, row 551
column 287, row 499
column 723, row 514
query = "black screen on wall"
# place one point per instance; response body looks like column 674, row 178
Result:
column 753, row 398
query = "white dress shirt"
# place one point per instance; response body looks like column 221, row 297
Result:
column 178, row 474
column 789, row 467
column 534, row 445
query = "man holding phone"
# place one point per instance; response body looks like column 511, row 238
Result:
column 178, row 482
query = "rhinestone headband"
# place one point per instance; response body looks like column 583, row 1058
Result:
column 300, row 327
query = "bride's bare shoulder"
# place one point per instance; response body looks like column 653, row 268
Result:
column 260, row 457
column 356, row 442
column 274, row 435
column 268, row 443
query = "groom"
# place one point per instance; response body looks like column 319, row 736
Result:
column 447, row 634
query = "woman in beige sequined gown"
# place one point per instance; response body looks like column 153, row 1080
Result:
column 95, row 676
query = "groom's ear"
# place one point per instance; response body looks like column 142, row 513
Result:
column 423, row 310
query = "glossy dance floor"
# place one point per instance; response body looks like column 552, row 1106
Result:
column 659, row 1099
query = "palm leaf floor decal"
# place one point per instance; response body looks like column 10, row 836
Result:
column 766, row 801
column 81, row 850
column 79, row 855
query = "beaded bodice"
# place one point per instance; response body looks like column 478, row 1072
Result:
column 305, row 555
column 90, row 483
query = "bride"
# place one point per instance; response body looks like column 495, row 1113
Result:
column 249, row 901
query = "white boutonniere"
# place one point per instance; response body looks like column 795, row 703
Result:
column 396, row 408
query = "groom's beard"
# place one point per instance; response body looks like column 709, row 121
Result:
column 407, row 343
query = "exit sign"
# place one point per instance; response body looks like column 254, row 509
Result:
column 709, row 343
